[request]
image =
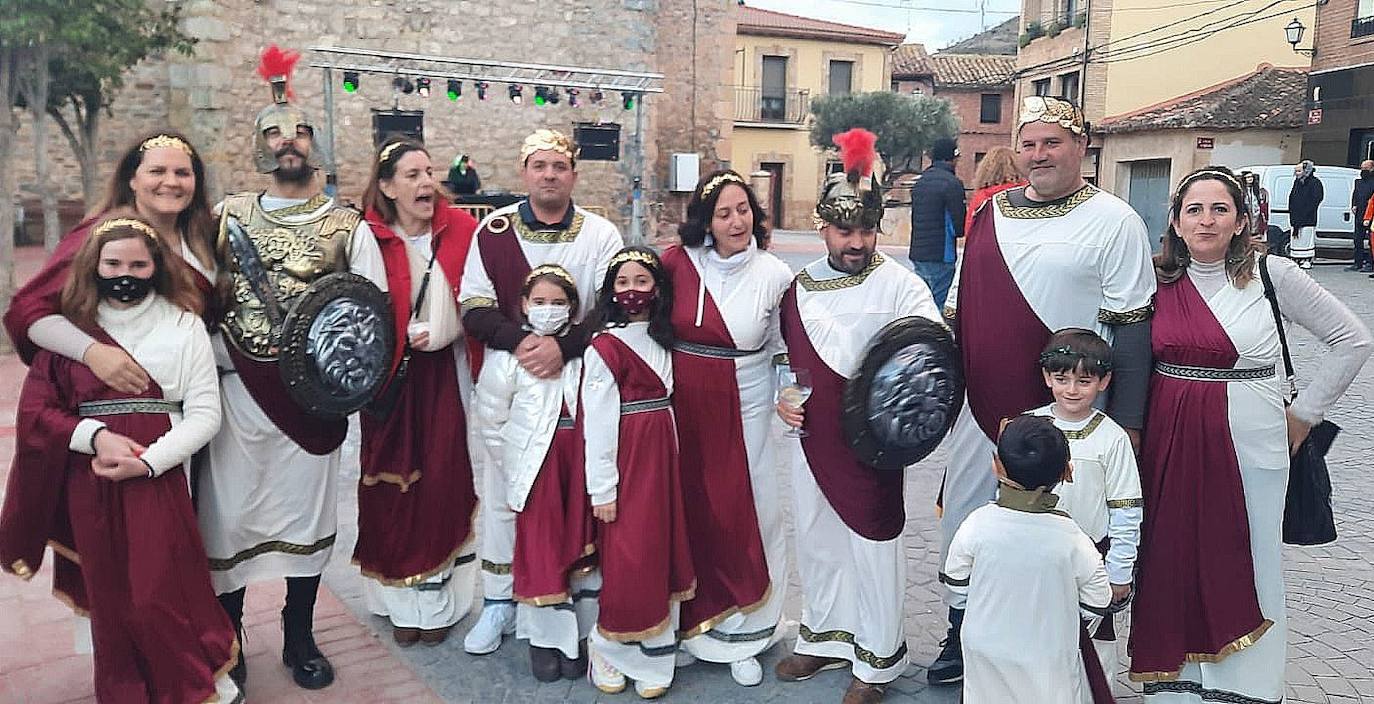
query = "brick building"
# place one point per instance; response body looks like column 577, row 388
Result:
column 1339, row 121
column 214, row 95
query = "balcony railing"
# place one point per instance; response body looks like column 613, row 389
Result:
column 786, row 107
column 1361, row 27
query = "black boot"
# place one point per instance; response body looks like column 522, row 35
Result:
column 309, row 667
column 232, row 603
column 948, row 668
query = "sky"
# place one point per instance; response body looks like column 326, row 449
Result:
column 934, row 23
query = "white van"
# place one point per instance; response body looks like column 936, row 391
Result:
column 1335, row 223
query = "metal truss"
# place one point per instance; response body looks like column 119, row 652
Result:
column 375, row 61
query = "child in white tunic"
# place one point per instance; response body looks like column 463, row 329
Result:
column 1104, row 495
column 1025, row 568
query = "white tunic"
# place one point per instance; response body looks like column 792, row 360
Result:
column 852, row 587
column 747, row 289
column 1025, row 575
column 1083, row 262
column 266, row 506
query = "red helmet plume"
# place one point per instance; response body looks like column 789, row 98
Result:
column 276, row 64
column 857, row 152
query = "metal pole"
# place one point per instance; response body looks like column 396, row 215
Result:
column 331, row 165
column 637, row 191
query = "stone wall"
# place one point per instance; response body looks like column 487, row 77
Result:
column 214, row 95
column 976, row 137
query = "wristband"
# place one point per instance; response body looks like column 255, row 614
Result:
column 93, row 437
column 151, row 473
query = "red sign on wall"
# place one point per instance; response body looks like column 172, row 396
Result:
column 1314, row 116
column 1205, row 142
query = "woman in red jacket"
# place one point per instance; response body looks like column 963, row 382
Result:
column 996, row 173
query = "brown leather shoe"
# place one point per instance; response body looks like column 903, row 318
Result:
column 797, row 667
column 405, row 637
column 861, row 692
column 434, row 636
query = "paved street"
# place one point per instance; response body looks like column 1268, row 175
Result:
column 1331, row 614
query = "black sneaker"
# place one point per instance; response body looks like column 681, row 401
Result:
column 948, row 667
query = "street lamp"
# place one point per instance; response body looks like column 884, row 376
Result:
column 1293, row 31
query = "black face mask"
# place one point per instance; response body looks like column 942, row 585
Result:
column 1366, row 173
column 125, row 289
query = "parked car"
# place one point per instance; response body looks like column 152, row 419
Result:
column 1335, row 223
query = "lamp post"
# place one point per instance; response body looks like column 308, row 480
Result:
column 1293, row 31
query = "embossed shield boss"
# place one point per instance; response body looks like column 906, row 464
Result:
column 336, row 344
column 905, row 396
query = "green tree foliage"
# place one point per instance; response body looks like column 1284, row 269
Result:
column 906, row 125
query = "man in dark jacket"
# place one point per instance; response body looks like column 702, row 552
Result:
column 937, row 219
column 1303, row 202
column 1359, row 200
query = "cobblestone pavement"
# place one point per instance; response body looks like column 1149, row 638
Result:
column 1331, row 613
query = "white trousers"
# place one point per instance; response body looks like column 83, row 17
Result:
column 561, row 626
column 1304, row 244
column 438, row 602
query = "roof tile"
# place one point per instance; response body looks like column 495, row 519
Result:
column 1272, row 98
column 760, row 22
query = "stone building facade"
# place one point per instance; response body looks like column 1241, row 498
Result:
column 214, row 95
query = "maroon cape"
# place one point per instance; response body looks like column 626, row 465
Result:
column 128, row 553
column 722, row 523
column 409, row 529
column 1000, row 337
column 555, row 534
column 645, row 562
column 1195, row 586
column 868, row 500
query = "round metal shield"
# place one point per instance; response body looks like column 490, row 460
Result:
column 336, row 345
column 906, row 395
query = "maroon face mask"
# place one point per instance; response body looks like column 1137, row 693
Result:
column 634, row 302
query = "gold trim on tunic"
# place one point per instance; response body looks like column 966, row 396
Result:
column 66, row 598
column 865, row 655
column 471, row 304
column 496, row 568
column 1041, row 212
column 810, row 284
column 1086, row 430
column 1226, row 651
column 1139, row 315
column 550, row 236
column 415, row 579
column 226, row 564
column 1125, row 503
column 224, row 670
column 708, row 624
column 404, row 482
column 21, row 569
column 64, row 551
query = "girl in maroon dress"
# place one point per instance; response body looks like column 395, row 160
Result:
column 98, row 475
column 632, row 477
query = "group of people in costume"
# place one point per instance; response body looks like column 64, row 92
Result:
column 608, row 414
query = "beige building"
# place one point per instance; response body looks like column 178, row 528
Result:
column 1138, row 59
column 781, row 63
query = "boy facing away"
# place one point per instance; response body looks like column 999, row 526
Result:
column 1026, row 568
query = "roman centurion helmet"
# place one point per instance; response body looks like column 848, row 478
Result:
column 852, row 200
column 275, row 67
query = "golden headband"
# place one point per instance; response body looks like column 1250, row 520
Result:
column 388, row 150
column 634, row 255
column 717, row 182
column 166, row 140
column 553, row 269
column 139, row 225
column 550, row 141
column 1053, row 111
column 1204, row 173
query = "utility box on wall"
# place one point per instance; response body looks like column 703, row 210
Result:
column 683, row 172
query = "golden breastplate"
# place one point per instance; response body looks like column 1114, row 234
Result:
column 294, row 253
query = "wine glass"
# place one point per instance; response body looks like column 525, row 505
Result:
column 794, row 387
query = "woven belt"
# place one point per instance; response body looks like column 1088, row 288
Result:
column 565, row 423
column 653, row 404
column 1179, row 371
column 125, row 406
column 712, row 351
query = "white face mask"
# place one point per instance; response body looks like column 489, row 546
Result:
column 548, row 319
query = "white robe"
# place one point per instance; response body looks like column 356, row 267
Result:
column 266, row 506
column 1080, row 264
column 852, row 587
column 445, row 597
column 1024, row 575
column 747, row 289
column 586, row 258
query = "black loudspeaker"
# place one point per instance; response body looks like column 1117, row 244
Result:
column 391, row 123
column 597, row 141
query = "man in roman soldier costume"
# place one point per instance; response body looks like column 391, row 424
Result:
column 546, row 228
column 1057, row 253
column 848, row 513
column 302, row 344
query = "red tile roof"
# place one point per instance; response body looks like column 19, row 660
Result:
column 972, row 70
column 1271, row 98
column 910, row 61
column 767, row 23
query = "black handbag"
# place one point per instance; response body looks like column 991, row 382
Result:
column 1307, row 516
column 384, row 402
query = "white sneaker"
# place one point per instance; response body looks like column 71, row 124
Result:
column 747, row 672
column 603, row 676
column 497, row 620
column 650, row 691
column 683, row 658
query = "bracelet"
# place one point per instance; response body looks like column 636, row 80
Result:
column 93, row 437
column 151, row 473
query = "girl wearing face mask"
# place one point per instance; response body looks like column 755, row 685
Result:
column 162, row 179
column 416, row 499
column 632, row 477
column 99, row 473
column 530, row 432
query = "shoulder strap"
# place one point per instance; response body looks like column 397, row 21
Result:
column 1278, row 322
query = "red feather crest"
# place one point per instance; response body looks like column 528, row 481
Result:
column 857, row 152
column 277, row 62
